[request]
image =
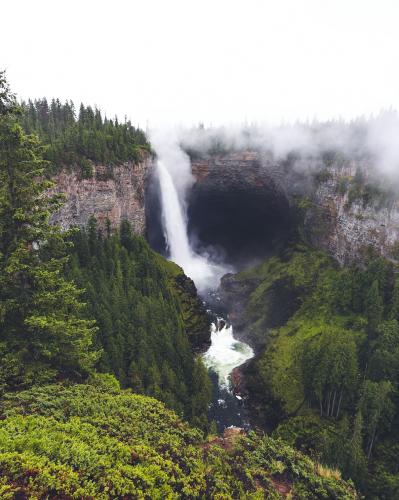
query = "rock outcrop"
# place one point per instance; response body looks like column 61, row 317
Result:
column 196, row 319
column 110, row 194
column 244, row 202
column 347, row 227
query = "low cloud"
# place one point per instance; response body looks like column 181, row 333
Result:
column 375, row 139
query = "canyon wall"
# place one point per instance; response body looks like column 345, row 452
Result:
column 110, row 194
column 347, row 227
column 236, row 208
column 343, row 224
column 246, row 201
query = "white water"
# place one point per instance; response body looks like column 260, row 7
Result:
column 205, row 274
column 225, row 354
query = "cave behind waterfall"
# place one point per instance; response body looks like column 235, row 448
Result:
column 238, row 223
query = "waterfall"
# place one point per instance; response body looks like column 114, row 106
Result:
column 226, row 352
column 173, row 219
column 199, row 268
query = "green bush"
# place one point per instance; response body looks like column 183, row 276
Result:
column 83, row 441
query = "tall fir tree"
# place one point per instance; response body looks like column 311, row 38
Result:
column 42, row 332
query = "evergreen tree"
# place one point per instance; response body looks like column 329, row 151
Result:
column 377, row 408
column 330, row 370
column 384, row 360
column 42, row 332
column 357, row 463
column 7, row 99
column 374, row 306
column 394, row 314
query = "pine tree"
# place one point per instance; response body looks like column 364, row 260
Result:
column 357, row 463
column 377, row 409
column 384, row 360
column 7, row 99
column 394, row 313
column 330, row 370
column 374, row 307
column 42, row 332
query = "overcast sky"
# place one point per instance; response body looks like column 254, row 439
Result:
column 214, row 61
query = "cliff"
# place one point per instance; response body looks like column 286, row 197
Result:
column 113, row 194
column 117, row 194
column 347, row 212
column 197, row 321
column 236, row 208
column 244, row 204
column 347, row 217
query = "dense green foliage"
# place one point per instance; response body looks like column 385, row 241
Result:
column 42, row 334
column 142, row 332
column 96, row 441
column 329, row 370
column 195, row 317
column 375, row 192
column 83, row 139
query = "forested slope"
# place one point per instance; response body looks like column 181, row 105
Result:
column 326, row 376
column 80, row 138
column 75, row 303
column 142, row 332
column 95, row 441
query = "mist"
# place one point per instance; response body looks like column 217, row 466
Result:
column 372, row 143
column 374, row 140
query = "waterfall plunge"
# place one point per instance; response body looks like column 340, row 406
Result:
column 205, row 274
column 225, row 353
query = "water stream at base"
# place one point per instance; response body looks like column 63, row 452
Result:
column 224, row 354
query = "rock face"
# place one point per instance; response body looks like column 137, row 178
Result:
column 259, row 195
column 115, row 195
column 196, row 319
column 244, row 203
column 254, row 170
column 345, row 227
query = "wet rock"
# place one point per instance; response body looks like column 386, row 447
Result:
column 238, row 382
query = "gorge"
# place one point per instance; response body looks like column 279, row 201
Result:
column 246, row 190
column 199, row 250
column 122, row 335
column 235, row 209
column 225, row 352
column 304, row 245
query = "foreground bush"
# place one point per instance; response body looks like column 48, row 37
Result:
column 96, row 441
